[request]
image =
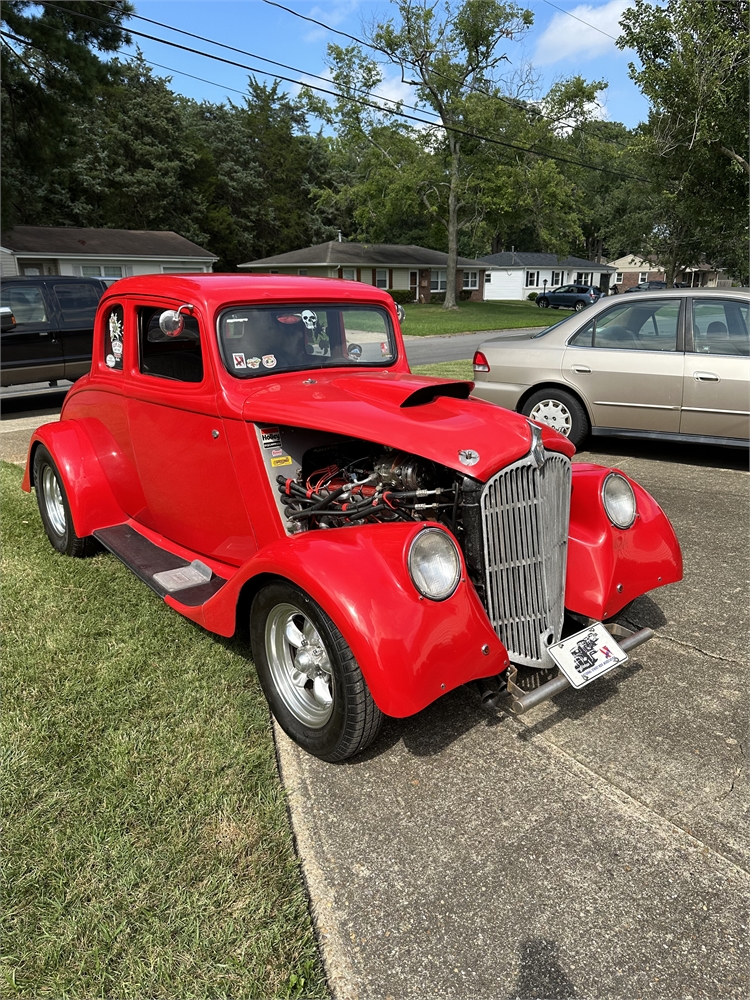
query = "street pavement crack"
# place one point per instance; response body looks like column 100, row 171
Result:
column 645, row 813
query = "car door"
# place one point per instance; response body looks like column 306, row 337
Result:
column 31, row 350
column 77, row 302
column 181, row 449
column 716, row 394
column 627, row 364
column 564, row 297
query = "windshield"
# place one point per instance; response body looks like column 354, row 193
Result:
column 259, row 339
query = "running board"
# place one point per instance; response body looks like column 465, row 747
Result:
column 149, row 561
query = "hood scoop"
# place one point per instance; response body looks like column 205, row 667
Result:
column 429, row 393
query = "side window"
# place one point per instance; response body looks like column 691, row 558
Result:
column 366, row 335
column 173, row 357
column 720, row 327
column 26, row 303
column 658, row 331
column 584, row 337
column 113, row 340
column 628, row 327
column 78, row 302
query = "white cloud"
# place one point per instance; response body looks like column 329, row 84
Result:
column 566, row 38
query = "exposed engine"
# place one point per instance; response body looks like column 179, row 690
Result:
column 381, row 486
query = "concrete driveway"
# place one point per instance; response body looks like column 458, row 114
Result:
column 597, row 847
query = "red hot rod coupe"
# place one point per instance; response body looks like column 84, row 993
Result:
column 256, row 449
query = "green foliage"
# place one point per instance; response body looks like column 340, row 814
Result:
column 532, row 296
column 401, row 295
column 50, row 68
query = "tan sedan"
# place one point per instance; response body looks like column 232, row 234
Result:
column 671, row 364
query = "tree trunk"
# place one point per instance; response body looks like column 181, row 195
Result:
column 450, row 277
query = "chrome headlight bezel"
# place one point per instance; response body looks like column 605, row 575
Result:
column 622, row 519
column 432, row 537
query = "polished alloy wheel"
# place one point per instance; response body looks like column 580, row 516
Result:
column 554, row 413
column 299, row 665
column 53, row 501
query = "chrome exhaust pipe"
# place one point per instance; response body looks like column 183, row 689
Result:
column 523, row 701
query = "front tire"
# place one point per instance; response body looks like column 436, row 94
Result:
column 309, row 675
column 560, row 410
column 55, row 509
column 542, row 303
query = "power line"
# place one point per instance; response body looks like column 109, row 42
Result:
column 367, row 103
column 579, row 19
column 443, row 76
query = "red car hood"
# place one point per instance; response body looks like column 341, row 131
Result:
column 423, row 416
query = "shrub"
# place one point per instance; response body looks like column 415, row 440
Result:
column 532, row 296
column 437, row 297
column 402, row 295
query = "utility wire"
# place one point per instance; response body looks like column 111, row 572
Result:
column 579, row 19
column 367, row 103
column 476, row 90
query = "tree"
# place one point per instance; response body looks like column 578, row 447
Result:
column 694, row 146
column 50, row 67
column 449, row 53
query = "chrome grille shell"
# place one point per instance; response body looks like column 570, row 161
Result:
column 525, row 516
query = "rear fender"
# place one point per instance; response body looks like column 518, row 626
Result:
column 410, row 649
column 608, row 566
column 92, row 503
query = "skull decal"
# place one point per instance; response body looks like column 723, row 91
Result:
column 310, row 319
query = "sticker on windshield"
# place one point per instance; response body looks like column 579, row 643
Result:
column 253, row 362
column 269, row 360
column 117, row 348
column 239, row 360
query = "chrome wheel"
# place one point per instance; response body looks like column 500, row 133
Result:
column 299, row 665
column 53, row 501
column 554, row 413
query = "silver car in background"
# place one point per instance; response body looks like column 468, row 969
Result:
column 672, row 364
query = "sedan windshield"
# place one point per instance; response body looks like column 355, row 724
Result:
column 259, row 339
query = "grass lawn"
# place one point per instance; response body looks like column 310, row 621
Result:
column 447, row 369
column 429, row 319
column 147, row 849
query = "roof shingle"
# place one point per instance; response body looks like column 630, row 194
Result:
column 55, row 240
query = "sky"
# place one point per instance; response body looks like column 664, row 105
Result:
column 567, row 38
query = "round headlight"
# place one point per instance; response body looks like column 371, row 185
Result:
column 434, row 564
column 619, row 500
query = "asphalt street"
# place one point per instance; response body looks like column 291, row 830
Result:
column 453, row 347
column 595, row 848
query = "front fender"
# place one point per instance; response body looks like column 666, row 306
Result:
column 92, row 503
column 607, row 566
column 411, row 650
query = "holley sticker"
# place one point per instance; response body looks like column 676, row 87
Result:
column 270, row 437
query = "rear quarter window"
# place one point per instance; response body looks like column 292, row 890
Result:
column 78, row 302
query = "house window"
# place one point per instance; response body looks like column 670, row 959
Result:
column 584, row 277
column 556, row 278
column 97, row 271
column 381, row 277
column 438, row 281
column 471, row 279
column 618, row 277
column 272, row 271
column 167, row 269
column 642, row 276
column 302, row 271
column 532, row 279
column 349, row 273
column 488, row 277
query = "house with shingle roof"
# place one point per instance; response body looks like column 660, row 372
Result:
column 99, row 253
column 391, row 266
column 515, row 275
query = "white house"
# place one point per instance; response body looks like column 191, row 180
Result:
column 418, row 270
column 94, row 253
column 515, row 275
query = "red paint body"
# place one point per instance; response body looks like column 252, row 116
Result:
column 181, row 463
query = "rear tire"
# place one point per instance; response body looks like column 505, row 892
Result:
column 309, row 676
column 560, row 410
column 579, row 306
column 55, row 509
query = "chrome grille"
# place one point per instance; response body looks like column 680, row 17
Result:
column 525, row 514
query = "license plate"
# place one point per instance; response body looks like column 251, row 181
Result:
column 587, row 655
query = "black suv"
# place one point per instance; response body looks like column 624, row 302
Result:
column 47, row 327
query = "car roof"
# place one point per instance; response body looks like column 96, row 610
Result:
column 217, row 289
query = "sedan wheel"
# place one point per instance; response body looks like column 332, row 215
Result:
column 560, row 410
column 309, row 675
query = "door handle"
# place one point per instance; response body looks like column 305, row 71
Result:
column 580, row 369
column 706, row 377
